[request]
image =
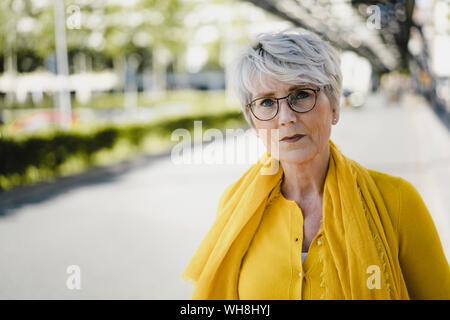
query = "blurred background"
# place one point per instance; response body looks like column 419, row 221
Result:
column 92, row 205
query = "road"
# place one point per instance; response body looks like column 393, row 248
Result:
column 132, row 232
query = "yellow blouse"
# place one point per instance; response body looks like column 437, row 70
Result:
column 272, row 267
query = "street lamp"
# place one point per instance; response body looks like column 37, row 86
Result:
column 62, row 66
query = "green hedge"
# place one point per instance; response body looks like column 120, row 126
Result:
column 34, row 158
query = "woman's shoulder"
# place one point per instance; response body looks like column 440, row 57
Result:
column 400, row 196
column 393, row 186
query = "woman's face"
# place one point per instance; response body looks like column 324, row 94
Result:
column 314, row 125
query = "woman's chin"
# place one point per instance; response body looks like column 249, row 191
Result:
column 295, row 155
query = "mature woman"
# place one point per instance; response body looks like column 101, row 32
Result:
column 319, row 225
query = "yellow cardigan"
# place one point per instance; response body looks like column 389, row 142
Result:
column 378, row 240
column 272, row 267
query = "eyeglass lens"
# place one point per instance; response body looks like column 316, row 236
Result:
column 301, row 100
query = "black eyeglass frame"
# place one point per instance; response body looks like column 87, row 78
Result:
column 289, row 104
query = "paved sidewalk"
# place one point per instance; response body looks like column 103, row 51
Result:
column 132, row 233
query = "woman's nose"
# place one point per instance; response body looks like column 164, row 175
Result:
column 286, row 114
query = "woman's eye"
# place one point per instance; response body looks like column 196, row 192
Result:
column 301, row 95
column 267, row 103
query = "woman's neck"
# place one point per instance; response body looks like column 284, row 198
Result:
column 305, row 181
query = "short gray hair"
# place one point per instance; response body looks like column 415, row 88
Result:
column 292, row 56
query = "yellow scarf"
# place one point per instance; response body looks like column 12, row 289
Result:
column 360, row 260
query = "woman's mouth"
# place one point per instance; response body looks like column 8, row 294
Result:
column 293, row 138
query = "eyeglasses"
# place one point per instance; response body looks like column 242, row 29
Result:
column 300, row 100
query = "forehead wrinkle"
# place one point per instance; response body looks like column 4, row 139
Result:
column 271, row 93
